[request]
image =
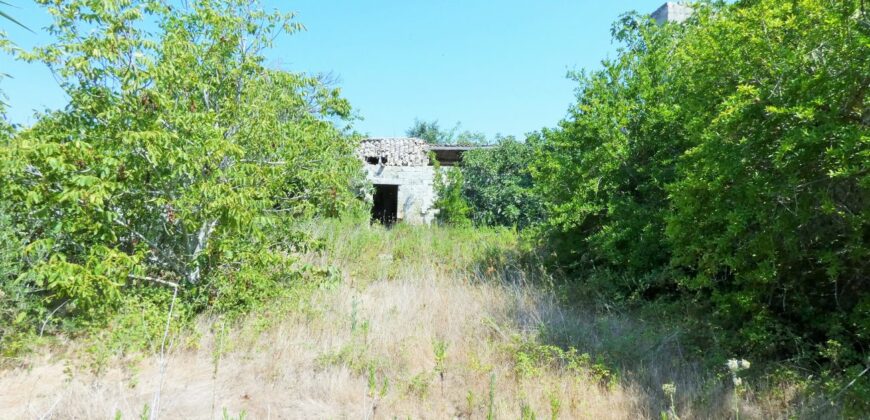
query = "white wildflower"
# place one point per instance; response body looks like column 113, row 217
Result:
column 733, row 365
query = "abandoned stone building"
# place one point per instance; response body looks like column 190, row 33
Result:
column 404, row 177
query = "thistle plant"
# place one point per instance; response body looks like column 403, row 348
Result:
column 735, row 367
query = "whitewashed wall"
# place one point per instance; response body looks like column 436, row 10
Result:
column 416, row 189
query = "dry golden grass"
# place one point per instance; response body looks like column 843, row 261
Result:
column 369, row 347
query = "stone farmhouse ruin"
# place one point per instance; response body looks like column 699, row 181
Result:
column 403, row 176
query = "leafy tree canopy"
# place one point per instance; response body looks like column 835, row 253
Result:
column 432, row 132
column 178, row 156
column 497, row 185
column 724, row 162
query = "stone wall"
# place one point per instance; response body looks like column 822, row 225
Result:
column 403, row 162
column 398, row 151
column 416, row 189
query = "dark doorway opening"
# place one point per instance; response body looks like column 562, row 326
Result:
column 386, row 205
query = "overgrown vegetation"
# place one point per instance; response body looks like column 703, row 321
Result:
column 492, row 184
column 369, row 253
column 712, row 176
column 452, row 204
column 421, row 320
column 722, row 164
column 498, row 186
column 180, row 160
column 432, row 132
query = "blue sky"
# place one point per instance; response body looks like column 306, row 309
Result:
column 496, row 67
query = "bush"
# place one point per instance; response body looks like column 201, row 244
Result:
column 603, row 172
column 180, row 158
column 452, row 207
column 723, row 162
column 16, row 299
column 770, row 205
column 497, row 185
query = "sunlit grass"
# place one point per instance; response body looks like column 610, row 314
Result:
column 418, row 322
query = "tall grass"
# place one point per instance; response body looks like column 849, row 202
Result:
column 371, row 253
column 421, row 323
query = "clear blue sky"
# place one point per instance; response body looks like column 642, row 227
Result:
column 496, row 67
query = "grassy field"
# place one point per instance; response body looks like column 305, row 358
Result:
column 414, row 323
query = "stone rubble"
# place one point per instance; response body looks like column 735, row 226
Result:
column 395, row 151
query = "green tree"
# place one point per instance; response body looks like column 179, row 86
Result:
column 178, row 153
column 724, row 162
column 602, row 173
column 770, row 206
column 497, row 185
column 6, row 128
column 432, row 132
column 452, row 207
column 15, row 301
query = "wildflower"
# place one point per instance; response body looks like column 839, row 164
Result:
column 733, row 365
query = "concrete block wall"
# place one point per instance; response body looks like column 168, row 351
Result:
column 416, row 189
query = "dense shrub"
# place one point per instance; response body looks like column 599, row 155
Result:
column 770, row 213
column 452, row 207
column 724, row 162
column 497, row 185
column 16, row 301
column 178, row 158
column 602, row 173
